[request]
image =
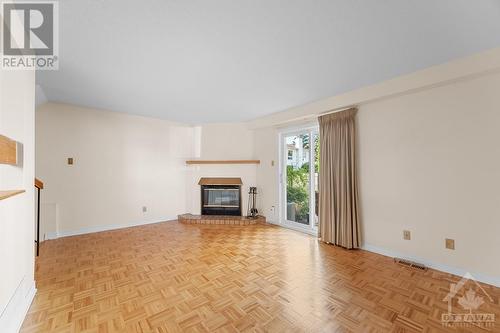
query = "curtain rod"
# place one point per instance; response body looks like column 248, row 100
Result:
column 312, row 116
column 337, row 110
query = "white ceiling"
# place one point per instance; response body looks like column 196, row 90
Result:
column 236, row 60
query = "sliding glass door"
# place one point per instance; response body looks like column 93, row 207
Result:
column 299, row 178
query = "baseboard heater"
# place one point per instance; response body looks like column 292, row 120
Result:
column 411, row 264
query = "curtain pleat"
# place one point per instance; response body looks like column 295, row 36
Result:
column 339, row 222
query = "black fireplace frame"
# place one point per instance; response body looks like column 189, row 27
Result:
column 221, row 210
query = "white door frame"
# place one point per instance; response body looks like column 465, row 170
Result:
column 282, row 220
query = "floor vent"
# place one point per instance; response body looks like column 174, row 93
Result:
column 411, row 264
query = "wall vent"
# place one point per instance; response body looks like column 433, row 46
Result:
column 411, row 264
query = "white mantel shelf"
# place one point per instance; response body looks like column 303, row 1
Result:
column 192, row 162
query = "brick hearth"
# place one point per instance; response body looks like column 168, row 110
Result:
column 219, row 219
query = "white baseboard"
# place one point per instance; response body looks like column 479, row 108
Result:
column 11, row 319
column 494, row 281
column 89, row 230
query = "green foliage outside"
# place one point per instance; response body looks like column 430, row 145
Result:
column 316, row 154
column 298, row 183
column 298, row 191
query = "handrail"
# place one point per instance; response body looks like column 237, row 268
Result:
column 38, row 184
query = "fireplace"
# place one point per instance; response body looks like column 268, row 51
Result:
column 220, row 196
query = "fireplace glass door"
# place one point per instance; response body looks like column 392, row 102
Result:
column 221, row 200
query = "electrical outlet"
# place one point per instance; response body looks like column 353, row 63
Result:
column 406, row 235
column 272, row 163
column 70, row 161
column 450, row 244
column 144, row 209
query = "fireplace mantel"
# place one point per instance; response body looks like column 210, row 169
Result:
column 220, row 181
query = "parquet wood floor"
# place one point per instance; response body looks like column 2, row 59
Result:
column 173, row 277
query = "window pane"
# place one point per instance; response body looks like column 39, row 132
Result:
column 297, row 178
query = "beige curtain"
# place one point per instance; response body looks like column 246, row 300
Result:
column 338, row 188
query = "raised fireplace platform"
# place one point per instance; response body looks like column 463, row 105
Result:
column 219, row 219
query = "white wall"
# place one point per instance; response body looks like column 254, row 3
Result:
column 429, row 163
column 228, row 141
column 266, row 149
column 17, row 221
column 231, row 141
column 121, row 163
column 125, row 162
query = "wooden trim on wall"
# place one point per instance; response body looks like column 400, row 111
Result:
column 8, row 151
column 8, row 194
column 191, row 162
